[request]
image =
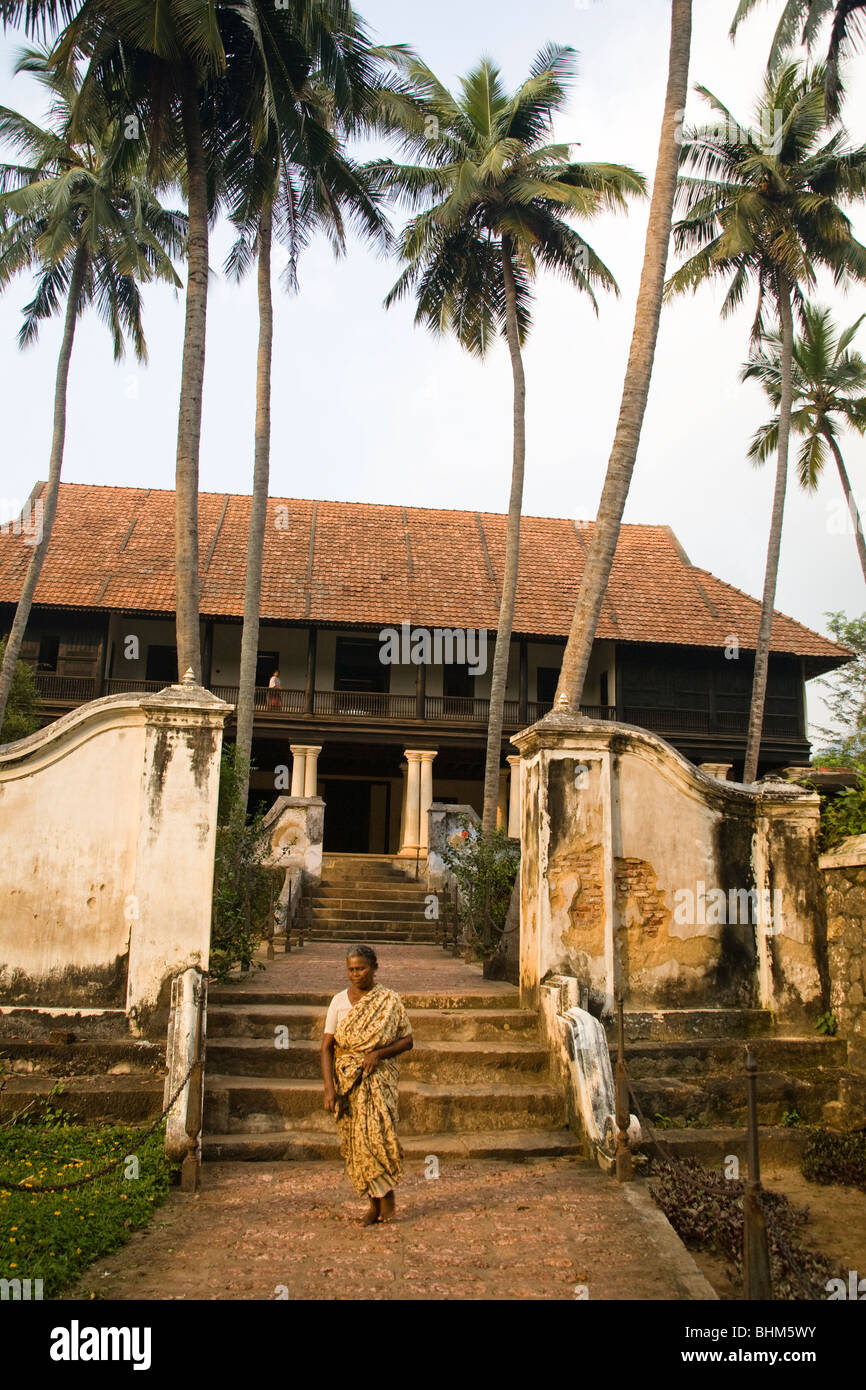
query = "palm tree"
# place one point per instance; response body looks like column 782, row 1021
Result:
column 635, row 392
column 285, row 172
column 768, row 214
column 91, row 227
column 829, row 392
column 801, row 21
column 496, row 197
column 162, row 65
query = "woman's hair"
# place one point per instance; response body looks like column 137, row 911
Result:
column 366, row 953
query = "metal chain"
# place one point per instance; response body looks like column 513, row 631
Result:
column 22, row 1186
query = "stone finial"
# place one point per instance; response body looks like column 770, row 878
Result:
column 188, row 677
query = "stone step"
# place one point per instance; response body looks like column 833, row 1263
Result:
column 721, row 1100
column 458, row 999
column 373, row 932
column 307, row 1020
column 238, row 1105
column 119, row 1099
column 808, row 1058
column 665, row 1025
column 404, row 890
column 437, row 1062
column 402, row 913
column 23, row 1057
column 395, row 883
column 713, row 1146
column 509, row 1146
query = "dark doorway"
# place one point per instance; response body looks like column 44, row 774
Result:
column 347, row 818
column 161, row 664
column 266, row 664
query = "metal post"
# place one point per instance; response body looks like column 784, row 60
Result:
column 624, row 1164
column 757, row 1284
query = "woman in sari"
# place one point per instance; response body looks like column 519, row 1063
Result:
column 366, row 1029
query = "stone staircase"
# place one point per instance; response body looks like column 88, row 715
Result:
column 476, row 1083
column 107, row 1080
column 687, row 1069
column 366, row 897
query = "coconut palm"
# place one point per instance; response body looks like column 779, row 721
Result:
column 286, row 175
column 90, row 226
column 163, row 65
column 829, row 394
column 768, row 214
column 496, row 197
column 801, row 22
column 605, row 533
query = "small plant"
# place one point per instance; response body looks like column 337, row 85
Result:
column 242, row 886
column 791, row 1119
column 22, row 708
column 827, row 1025
column 830, row 1157
column 485, row 868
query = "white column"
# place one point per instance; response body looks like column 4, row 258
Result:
column 502, row 800
column 426, row 799
column 514, row 797
column 299, row 758
column 413, row 803
column 403, row 770
column 311, row 770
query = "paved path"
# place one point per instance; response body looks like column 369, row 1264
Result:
column 538, row 1230
column 545, row 1228
column 321, row 965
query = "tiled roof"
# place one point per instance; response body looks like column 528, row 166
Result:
column 352, row 563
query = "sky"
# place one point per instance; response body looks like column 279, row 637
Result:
column 367, row 407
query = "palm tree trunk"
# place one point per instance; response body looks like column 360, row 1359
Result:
column 620, row 467
column 258, row 511
column 192, row 381
column 58, row 438
column 851, row 500
column 774, row 545
column 501, row 651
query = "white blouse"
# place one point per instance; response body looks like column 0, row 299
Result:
column 337, row 1010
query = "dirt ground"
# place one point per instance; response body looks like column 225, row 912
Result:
column 836, row 1225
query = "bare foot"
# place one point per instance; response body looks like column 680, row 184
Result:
column 371, row 1215
column 387, row 1205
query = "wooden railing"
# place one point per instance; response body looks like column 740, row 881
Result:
column 438, row 709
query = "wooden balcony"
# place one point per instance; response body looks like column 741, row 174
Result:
column 278, row 706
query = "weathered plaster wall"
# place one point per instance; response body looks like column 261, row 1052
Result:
column 844, row 874
column 641, row 872
column 107, row 829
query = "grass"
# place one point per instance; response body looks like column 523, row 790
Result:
column 54, row 1236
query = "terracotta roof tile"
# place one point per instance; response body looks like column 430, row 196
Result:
column 113, row 547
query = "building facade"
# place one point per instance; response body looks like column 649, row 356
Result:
column 380, row 621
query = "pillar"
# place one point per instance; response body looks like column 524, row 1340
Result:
column 412, row 803
column 311, row 770
column 403, row 771
column 299, row 759
column 514, row 798
column 426, row 799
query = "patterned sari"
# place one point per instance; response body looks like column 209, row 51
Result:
column 368, row 1137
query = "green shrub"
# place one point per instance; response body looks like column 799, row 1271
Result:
column 485, row 868
column 845, row 813
column 242, row 887
column 22, row 707
column 53, row 1236
column 835, row 1158
column 706, row 1210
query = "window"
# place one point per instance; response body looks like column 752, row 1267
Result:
column 357, row 665
column 49, row 649
column 548, row 679
column 457, row 681
column 161, row 664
